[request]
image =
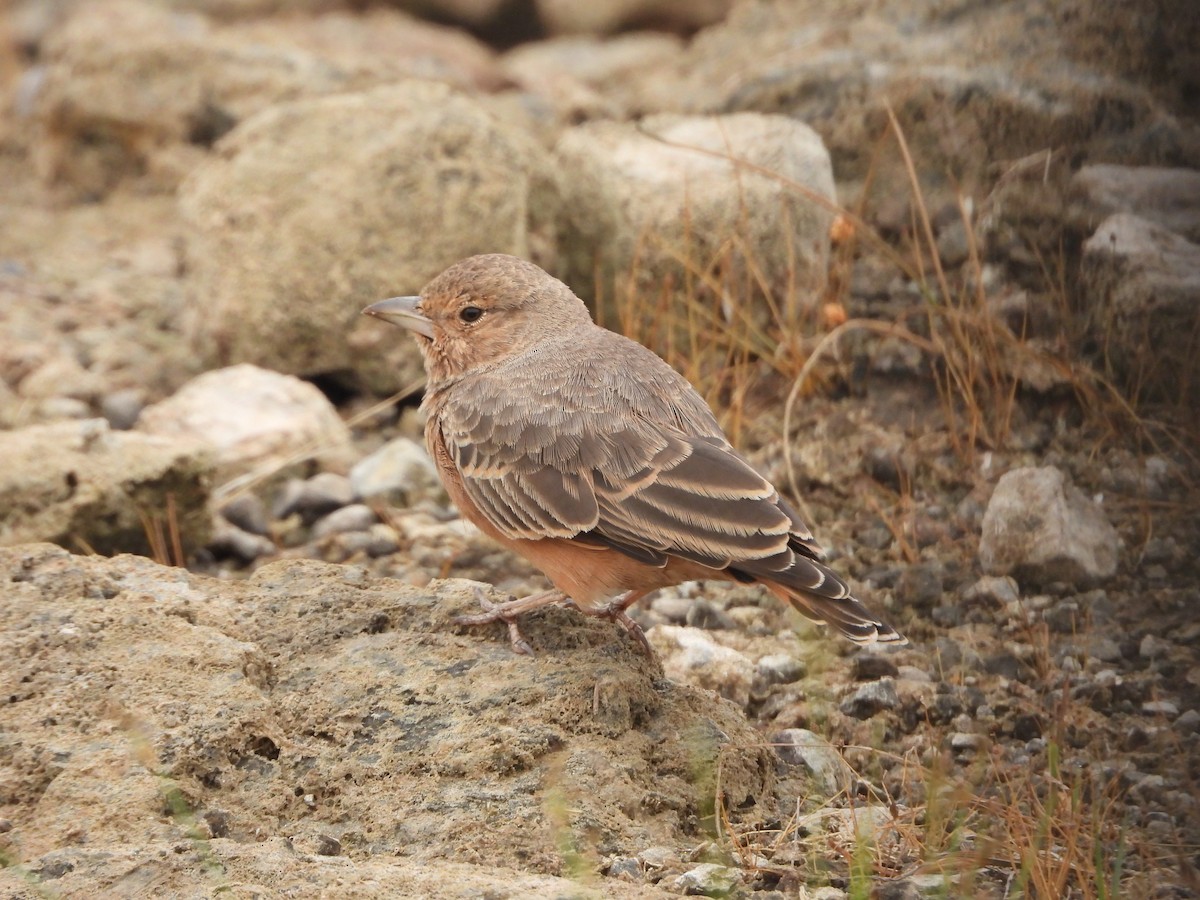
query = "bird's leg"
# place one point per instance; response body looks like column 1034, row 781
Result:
column 615, row 610
column 508, row 612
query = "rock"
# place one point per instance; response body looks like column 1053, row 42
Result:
column 1143, row 285
column 591, row 17
column 799, row 746
column 1168, row 198
column 1188, row 722
column 993, row 590
column 1164, row 708
column 779, row 668
column 1041, row 528
column 83, row 485
column 657, row 202
column 626, row 868
column 378, row 46
column 584, row 76
column 248, row 513
column 691, row 656
column 703, row 614
column 400, row 467
column 968, row 743
column 276, row 711
column 871, row 698
column 355, row 517
column 135, row 90
column 314, row 497
column 250, row 416
column 920, row 585
column 1152, row 647
column 229, row 540
column 872, row 667
column 708, row 880
column 122, row 408
column 299, row 222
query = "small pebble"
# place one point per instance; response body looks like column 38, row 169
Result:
column 315, row 497
column 123, row 407
column 871, row 698
column 248, row 513
column 779, row 668
column 1160, row 708
column 230, row 541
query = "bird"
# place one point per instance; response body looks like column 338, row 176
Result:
column 583, row 451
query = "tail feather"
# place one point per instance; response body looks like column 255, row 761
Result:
column 845, row 614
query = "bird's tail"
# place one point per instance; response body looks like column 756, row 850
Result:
column 844, row 613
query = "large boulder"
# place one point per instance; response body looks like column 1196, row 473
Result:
column 88, row 488
column 315, row 208
column 718, row 207
column 156, row 715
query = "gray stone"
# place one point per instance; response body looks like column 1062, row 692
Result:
column 1000, row 590
column 690, row 655
column 355, row 517
column 779, row 668
column 920, row 585
column 1188, row 722
column 314, row 497
column 799, row 746
column 871, row 698
column 122, row 408
column 247, row 512
column 708, row 880
column 1041, row 528
column 1165, row 708
column 401, row 466
column 626, row 867
column 1143, row 283
column 229, row 540
column 1153, row 646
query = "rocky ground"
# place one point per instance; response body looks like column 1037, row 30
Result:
column 936, row 265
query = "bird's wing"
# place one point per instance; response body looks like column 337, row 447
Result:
column 622, row 453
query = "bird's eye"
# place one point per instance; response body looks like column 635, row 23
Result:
column 470, row 314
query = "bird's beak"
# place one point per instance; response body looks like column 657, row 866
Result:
column 402, row 311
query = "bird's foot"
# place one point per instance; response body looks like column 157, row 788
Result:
column 616, row 611
column 508, row 612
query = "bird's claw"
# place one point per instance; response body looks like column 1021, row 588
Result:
column 495, row 612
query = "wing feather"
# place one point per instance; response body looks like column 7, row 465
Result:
column 638, row 464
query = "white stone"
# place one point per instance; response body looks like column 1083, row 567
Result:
column 248, row 415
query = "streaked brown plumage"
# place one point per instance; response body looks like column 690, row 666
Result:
column 587, row 454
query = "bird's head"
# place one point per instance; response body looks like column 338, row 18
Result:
column 481, row 311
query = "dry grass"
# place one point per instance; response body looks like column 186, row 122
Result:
column 732, row 333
